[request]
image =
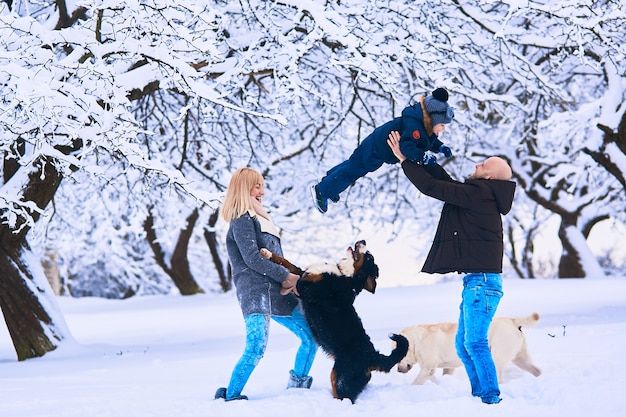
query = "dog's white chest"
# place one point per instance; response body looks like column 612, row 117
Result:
column 322, row 267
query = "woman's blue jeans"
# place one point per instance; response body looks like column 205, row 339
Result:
column 481, row 295
column 257, row 333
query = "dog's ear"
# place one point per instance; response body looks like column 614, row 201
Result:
column 372, row 271
column 370, row 284
column 369, row 265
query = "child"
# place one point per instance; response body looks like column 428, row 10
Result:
column 419, row 125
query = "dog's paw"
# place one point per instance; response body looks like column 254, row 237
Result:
column 265, row 253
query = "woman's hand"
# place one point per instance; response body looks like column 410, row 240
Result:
column 394, row 144
column 289, row 285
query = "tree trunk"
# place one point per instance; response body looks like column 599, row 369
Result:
column 210, row 237
column 576, row 260
column 612, row 152
column 181, row 274
column 26, row 298
column 570, row 265
column 178, row 269
column 27, row 303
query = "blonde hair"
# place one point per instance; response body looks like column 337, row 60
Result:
column 237, row 200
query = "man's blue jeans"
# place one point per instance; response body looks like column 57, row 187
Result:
column 257, row 333
column 481, row 295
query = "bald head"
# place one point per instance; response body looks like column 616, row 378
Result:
column 493, row 168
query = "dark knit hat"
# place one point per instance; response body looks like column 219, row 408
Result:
column 438, row 108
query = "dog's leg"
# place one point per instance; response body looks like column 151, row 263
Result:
column 528, row 367
column 333, row 382
column 424, row 375
column 524, row 361
column 349, row 378
column 281, row 261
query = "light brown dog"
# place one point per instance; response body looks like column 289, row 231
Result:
column 432, row 346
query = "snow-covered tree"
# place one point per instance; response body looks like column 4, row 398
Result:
column 66, row 100
column 160, row 101
column 557, row 71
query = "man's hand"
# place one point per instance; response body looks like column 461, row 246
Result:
column 394, row 144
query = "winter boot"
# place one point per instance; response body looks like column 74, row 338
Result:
column 320, row 203
column 221, row 394
column 299, row 382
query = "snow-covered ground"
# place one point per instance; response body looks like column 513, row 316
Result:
column 166, row 355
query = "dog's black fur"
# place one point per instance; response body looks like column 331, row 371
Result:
column 327, row 300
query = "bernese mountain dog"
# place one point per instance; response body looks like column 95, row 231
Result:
column 327, row 292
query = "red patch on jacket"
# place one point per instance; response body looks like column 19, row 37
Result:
column 416, row 134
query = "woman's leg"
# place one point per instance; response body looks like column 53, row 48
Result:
column 257, row 332
column 297, row 324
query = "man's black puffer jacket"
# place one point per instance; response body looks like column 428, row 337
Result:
column 469, row 236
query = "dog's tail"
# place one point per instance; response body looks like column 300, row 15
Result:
column 386, row 363
column 528, row 321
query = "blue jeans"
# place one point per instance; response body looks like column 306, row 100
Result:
column 257, row 333
column 481, row 295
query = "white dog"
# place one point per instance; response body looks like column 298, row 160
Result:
column 432, row 346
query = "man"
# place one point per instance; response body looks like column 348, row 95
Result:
column 469, row 239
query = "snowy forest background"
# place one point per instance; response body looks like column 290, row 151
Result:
column 122, row 121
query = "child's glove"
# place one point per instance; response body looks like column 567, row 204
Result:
column 429, row 159
column 446, row 151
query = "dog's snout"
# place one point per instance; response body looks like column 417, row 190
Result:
column 403, row 368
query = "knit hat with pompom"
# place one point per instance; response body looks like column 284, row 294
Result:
column 437, row 107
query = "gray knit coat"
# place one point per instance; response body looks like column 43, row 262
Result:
column 257, row 280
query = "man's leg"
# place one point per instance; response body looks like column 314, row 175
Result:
column 481, row 296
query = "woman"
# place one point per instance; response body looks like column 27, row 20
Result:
column 259, row 283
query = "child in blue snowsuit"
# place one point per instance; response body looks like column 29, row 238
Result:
column 419, row 126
